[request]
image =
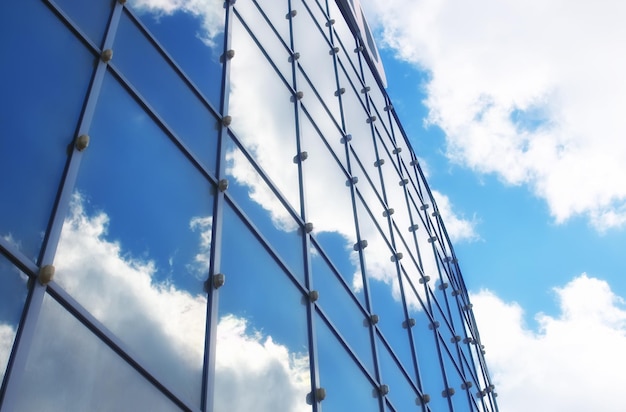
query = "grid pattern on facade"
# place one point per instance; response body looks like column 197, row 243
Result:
column 214, row 207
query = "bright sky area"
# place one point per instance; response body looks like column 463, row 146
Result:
column 516, row 110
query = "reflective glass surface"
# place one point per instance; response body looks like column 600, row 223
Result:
column 347, row 388
column 262, row 111
column 329, row 205
column 199, row 26
column 277, row 11
column 427, row 354
column 13, row 291
column 91, row 17
column 384, row 287
column 36, row 125
column 342, row 310
column 268, row 39
column 262, row 358
column 269, row 216
column 166, row 91
column 401, row 393
column 70, row 369
column 136, row 241
column 316, row 56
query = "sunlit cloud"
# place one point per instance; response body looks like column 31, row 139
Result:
column 458, row 228
column 572, row 362
column 530, row 92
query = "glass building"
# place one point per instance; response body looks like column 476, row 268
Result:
column 212, row 206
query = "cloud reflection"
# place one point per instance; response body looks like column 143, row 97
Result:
column 7, row 334
column 210, row 12
column 166, row 324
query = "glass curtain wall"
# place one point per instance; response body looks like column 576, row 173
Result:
column 212, row 206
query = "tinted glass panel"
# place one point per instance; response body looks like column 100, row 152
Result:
column 267, row 213
column 343, row 311
column 13, row 293
column 72, row 370
column 347, row 388
column 316, row 58
column 401, row 393
column 136, row 242
column 199, row 26
column 264, row 34
column 36, row 125
column 90, row 16
column 166, row 92
column 262, row 345
column 263, row 117
column 329, row 205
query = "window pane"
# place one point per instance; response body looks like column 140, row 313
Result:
column 263, row 117
column 13, row 291
column 36, row 125
column 90, row 16
column 166, row 92
column 342, row 310
column 199, row 26
column 401, row 393
column 329, row 206
column 262, row 346
column 263, row 33
column 347, row 388
column 316, row 59
column 135, row 245
column 262, row 207
column 69, row 369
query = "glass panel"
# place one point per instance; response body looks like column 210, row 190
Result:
column 385, row 293
column 377, row 99
column 277, row 11
column 454, row 377
column 316, row 57
column 329, row 206
column 36, row 125
column 262, row 207
column 394, row 191
column 69, row 369
column 173, row 100
column 427, row 354
column 329, row 127
column 91, row 16
column 262, row 31
column 347, row 389
column 401, row 393
column 13, row 291
column 199, row 26
column 135, row 246
column 267, row 126
column 262, row 345
column 342, row 310
column 343, row 36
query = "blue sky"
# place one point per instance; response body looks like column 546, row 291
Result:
column 513, row 110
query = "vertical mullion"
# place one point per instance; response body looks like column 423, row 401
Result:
column 210, row 346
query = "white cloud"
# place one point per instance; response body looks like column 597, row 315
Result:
column 573, row 362
column 458, row 229
column 531, row 91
